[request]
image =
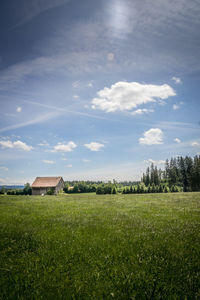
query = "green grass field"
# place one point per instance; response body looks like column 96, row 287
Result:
column 100, row 247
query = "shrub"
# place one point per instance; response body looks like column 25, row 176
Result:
column 2, row 191
column 50, row 191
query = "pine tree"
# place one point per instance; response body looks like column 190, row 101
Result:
column 147, row 177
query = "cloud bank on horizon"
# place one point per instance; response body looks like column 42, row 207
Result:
column 97, row 89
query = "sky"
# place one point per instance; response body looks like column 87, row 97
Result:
column 97, row 90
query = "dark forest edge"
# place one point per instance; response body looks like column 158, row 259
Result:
column 181, row 174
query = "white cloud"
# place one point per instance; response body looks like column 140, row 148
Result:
column 155, row 162
column 6, row 144
column 124, row 96
column 153, row 136
column 69, row 166
column 177, row 140
column 19, row 109
column 64, row 158
column 142, row 111
column 90, row 84
column 50, row 162
column 85, row 160
column 64, row 147
column 175, row 106
column 110, row 56
column 18, row 145
column 76, row 97
column 195, row 144
column 4, row 168
column 93, row 146
column 176, row 80
column 22, row 145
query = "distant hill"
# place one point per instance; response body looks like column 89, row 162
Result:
column 12, row 187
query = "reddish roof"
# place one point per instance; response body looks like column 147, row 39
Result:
column 46, row 181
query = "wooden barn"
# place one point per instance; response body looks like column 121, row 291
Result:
column 42, row 185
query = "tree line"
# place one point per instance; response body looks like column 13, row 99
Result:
column 27, row 190
column 180, row 174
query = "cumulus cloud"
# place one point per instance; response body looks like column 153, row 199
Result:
column 153, row 136
column 64, row 147
column 18, row 145
column 155, row 162
column 195, row 144
column 124, row 96
column 142, row 111
column 176, row 80
column 50, row 162
column 177, row 140
column 76, row 97
column 93, row 146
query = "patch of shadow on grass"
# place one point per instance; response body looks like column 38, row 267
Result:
column 19, row 242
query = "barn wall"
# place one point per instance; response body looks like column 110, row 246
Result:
column 59, row 186
column 39, row 191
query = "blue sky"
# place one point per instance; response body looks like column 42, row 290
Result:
column 97, row 90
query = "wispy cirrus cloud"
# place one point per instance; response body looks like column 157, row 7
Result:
column 85, row 160
column 27, row 10
column 124, row 96
column 37, row 120
column 44, row 144
column 50, row 162
column 66, row 110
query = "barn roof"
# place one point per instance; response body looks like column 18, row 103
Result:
column 46, row 181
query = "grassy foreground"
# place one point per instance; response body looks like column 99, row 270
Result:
column 100, row 247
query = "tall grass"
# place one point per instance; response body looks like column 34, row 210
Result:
column 88, row 246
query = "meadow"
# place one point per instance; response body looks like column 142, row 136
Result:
column 87, row 246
